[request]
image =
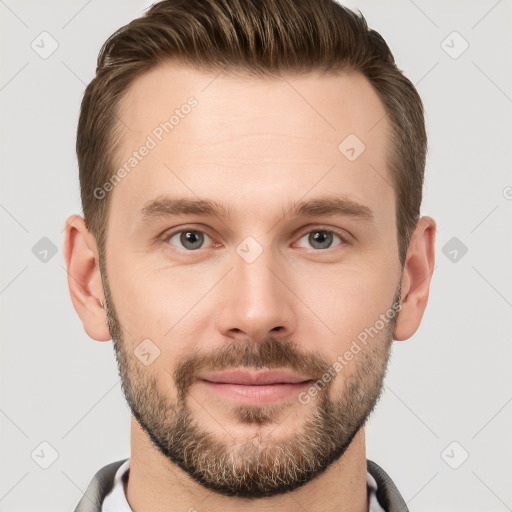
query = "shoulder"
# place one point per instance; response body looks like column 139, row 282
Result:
column 387, row 492
column 100, row 485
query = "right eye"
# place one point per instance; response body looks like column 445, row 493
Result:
column 187, row 239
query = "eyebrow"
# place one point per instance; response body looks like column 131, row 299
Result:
column 166, row 206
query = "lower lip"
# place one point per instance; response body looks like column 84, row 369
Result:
column 256, row 394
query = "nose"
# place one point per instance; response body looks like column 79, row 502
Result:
column 256, row 300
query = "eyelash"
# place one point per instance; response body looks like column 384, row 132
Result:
column 343, row 238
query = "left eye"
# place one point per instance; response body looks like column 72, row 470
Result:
column 321, row 238
column 189, row 239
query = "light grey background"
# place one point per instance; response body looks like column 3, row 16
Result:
column 450, row 382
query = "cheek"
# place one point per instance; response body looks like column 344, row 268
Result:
column 343, row 304
column 159, row 302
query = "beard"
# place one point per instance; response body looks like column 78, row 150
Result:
column 254, row 465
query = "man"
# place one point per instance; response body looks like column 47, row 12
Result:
column 251, row 176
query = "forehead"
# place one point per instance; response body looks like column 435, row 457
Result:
column 239, row 139
column 331, row 103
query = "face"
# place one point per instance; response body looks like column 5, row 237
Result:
column 244, row 240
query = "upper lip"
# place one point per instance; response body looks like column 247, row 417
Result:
column 254, row 378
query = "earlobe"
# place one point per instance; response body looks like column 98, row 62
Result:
column 417, row 275
column 84, row 278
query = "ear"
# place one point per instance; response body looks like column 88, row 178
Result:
column 418, row 269
column 84, row 278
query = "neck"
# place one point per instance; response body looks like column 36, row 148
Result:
column 158, row 485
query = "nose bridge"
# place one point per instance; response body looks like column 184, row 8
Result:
column 255, row 300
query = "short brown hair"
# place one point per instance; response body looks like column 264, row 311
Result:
column 259, row 38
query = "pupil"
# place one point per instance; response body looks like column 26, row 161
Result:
column 191, row 240
column 322, row 238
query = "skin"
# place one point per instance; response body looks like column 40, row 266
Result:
column 257, row 146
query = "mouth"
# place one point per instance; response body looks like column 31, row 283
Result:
column 255, row 387
column 260, row 378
